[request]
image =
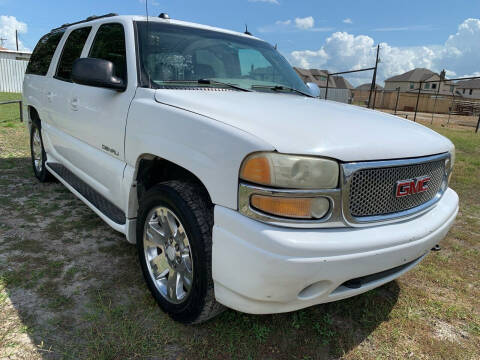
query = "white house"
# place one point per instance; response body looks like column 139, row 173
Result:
column 411, row 80
column 469, row 89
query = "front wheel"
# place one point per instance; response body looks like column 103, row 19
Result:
column 174, row 242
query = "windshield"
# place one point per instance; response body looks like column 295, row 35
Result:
column 173, row 55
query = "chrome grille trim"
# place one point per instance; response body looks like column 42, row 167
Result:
column 372, row 191
column 349, row 170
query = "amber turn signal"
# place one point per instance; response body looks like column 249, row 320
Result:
column 256, row 170
column 299, row 208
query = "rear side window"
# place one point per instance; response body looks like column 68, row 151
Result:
column 71, row 52
column 109, row 44
column 43, row 53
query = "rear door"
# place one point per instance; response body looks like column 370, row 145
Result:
column 36, row 82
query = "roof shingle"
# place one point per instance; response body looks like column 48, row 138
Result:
column 469, row 84
column 415, row 75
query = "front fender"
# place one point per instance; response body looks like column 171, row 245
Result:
column 210, row 149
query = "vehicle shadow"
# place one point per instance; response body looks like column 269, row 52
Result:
column 71, row 287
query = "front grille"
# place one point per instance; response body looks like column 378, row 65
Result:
column 372, row 191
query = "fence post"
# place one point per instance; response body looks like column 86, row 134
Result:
column 418, row 98
column 478, row 124
column 451, row 108
column 20, row 107
column 374, row 79
column 396, row 103
column 326, row 89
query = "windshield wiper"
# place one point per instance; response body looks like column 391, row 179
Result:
column 205, row 82
column 213, row 82
column 280, row 88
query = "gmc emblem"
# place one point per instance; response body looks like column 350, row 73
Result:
column 412, row 186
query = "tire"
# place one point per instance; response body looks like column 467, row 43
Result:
column 177, row 216
column 39, row 157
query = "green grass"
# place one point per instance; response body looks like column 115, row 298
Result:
column 10, row 114
column 70, row 287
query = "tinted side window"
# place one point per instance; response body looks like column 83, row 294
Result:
column 43, row 53
column 109, row 44
column 71, row 52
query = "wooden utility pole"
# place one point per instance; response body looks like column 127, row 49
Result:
column 442, row 78
column 16, row 38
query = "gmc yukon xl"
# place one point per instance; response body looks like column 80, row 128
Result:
column 238, row 185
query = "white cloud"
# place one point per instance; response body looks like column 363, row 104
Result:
column 296, row 25
column 8, row 25
column 405, row 28
column 284, row 22
column 266, row 1
column 347, row 21
column 305, row 23
column 150, row 2
column 460, row 54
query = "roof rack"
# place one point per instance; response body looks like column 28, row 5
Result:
column 90, row 18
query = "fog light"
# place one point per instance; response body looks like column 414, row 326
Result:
column 299, row 208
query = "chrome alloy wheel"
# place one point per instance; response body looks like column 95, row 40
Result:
column 168, row 255
column 37, row 152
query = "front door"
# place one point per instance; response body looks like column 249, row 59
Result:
column 99, row 115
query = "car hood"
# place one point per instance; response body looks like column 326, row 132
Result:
column 302, row 125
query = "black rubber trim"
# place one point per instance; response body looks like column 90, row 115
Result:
column 364, row 280
column 105, row 206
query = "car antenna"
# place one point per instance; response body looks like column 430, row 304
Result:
column 246, row 30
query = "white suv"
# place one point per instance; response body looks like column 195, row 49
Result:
column 239, row 187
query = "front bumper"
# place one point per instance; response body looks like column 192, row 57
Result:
column 261, row 269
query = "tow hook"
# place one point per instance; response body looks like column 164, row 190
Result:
column 436, row 248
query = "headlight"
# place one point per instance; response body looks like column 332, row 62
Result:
column 290, row 171
column 297, row 174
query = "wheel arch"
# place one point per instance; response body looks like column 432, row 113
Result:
column 33, row 116
column 150, row 170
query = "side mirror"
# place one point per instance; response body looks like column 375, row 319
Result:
column 98, row 73
column 314, row 89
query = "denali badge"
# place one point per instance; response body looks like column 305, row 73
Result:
column 110, row 150
column 412, row 186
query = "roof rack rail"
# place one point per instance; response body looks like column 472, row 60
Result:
column 90, row 18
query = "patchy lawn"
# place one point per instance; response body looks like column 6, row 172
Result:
column 70, row 287
column 10, row 113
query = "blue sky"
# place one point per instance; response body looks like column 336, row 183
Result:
column 337, row 35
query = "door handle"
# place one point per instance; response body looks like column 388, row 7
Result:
column 50, row 96
column 74, row 103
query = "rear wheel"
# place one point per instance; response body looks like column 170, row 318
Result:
column 39, row 157
column 174, row 241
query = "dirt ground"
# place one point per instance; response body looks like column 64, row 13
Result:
column 71, row 288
